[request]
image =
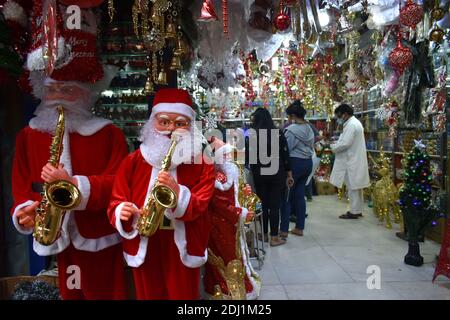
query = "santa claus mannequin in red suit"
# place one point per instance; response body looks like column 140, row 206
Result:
column 89, row 251
column 167, row 264
column 229, row 273
column 92, row 151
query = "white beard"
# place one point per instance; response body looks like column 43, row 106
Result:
column 76, row 118
column 155, row 145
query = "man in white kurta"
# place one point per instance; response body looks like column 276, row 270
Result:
column 350, row 164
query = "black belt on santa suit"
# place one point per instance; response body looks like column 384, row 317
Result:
column 37, row 187
column 166, row 224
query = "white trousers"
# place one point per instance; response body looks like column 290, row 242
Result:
column 356, row 198
column 356, row 201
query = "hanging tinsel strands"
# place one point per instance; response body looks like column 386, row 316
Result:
column 111, row 10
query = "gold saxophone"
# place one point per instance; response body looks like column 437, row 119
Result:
column 161, row 198
column 58, row 196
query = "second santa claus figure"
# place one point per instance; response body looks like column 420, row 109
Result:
column 166, row 265
column 229, row 273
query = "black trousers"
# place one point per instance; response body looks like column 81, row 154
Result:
column 270, row 191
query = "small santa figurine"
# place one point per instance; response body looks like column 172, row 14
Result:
column 166, row 265
column 229, row 273
column 88, row 249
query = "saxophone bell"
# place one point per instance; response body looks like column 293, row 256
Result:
column 63, row 194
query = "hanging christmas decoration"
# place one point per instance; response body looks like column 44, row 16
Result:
column 439, row 123
column 282, row 20
column 411, row 14
column 207, row 12
column 436, row 34
column 50, row 36
column 392, row 119
column 225, row 17
column 401, row 57
column 111, row 10
column 437, row 13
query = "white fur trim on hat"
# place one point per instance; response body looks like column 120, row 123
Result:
column 35, row 60
column 180, row 108
column 14, row 12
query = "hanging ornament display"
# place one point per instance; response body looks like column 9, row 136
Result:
column 49, row 35
column 207, row 13
column 225, row 17
column 437, row 13
column 436, row 34
column 439, row 123
column 411, row 14
column 111, row 10
column 282, row 20
column 401, row 57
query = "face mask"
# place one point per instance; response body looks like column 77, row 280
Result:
column 340, row 121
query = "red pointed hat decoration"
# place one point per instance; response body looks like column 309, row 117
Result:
column 66, row 54
column 208, row 13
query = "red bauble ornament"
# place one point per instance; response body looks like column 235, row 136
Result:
column 282, row 21
column 401, row 57
column 411, row 14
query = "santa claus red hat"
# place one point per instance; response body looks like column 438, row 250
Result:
column 75, row 56
column 173, row 100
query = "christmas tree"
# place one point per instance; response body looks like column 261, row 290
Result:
column 415, row 199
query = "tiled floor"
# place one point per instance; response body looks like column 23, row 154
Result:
column 330, row 261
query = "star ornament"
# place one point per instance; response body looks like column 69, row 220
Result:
column 316, row 48
column 419, row 145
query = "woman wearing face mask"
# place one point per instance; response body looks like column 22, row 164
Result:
column 300, row 139
column 269, row 173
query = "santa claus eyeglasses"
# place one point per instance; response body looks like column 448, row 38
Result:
column 178, row 123
column 64, row 89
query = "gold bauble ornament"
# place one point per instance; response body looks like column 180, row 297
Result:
column 437, row 34
column 437, row 14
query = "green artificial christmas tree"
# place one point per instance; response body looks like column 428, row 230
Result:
column 415, row 200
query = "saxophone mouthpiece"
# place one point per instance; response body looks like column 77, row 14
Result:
column 175, row 136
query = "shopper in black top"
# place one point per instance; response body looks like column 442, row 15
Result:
column 270, row 170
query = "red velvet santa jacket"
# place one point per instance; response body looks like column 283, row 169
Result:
column 134, row 181
column 93, row 160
